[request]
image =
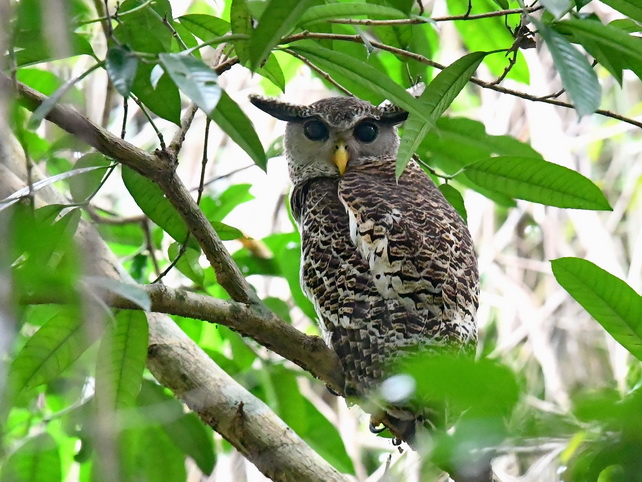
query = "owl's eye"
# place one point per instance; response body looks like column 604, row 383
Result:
column 315, row 130
column 366, row 132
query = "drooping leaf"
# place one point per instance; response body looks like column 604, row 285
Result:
column 20, row 193
column 194, row 439
column 241, row 23
column 194, row 78
column 454, row 197
column 322, row 13
column 538, row 181
column 121, row 360
column 332, row 61
column 121, row 65
column 557, row 7
column 188, row 264
column 306, row 420
column 186, row 430
column 578, row 77
column 608, row 299
column 205, row 27
column 134, row 293
column 272, row 71
column 37, row 460
column 435, row 99
column 216, row 208
column 53, row 348
column 612, row 37
column 161, row 96
column 81, row 187
column 155, row 205
column 229, row 117
column 279, row 17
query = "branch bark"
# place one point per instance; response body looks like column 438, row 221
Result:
column 179, row 364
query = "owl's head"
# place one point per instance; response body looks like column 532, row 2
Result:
column 333, row 135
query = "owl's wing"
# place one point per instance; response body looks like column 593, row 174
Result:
column 417, row 247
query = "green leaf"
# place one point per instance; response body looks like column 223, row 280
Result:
column 194, row 439
column 332, row 61
column 434, row 375
column 613, row 303
column 186, row 430
column 454, row 197
column 148, row 454
column 134, row 293
column 36, row 460
column 321, row 13
column 578, row 77
column 279, row 17
column 630, row 8
column 53, row 348
column 435, row 99
column 121, row 65
column 194, row 78
column 205, row 27
column 229, row 117
column 20, row 193
column 557, row 7
column 611, row 37
column 188, row 264
column 81, row 187
column 241, row 23
column 226, row 232
column 155, row 205
column 537, row 181
column 121, row 360
column 216, row 208
column 306, row 420
column 272, row 71
column 162, row 97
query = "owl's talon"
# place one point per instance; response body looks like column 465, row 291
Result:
column 332, row 391
column 376, row 428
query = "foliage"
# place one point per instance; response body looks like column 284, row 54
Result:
column 74, row 361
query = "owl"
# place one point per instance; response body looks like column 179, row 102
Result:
column 388, row 264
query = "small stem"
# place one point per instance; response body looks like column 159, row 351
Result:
column 108, row 17
column 218, row 40
column 474, row 80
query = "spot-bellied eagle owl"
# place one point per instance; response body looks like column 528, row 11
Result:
column 389, row 265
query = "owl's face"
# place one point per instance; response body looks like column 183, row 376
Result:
column 333, row 135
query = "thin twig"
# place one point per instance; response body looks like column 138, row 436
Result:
column 159, row 134
column 323, row 74
column 420, row 20
column 179, row 137
column 475, row 80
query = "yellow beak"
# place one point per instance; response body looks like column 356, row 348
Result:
column 341, row 157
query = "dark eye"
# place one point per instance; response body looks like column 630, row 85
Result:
column 315, row 130
column 366, row 132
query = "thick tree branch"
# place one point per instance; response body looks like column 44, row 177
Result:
column 309, row 352
column 179, row 364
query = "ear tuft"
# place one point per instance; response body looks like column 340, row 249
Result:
column 281, row 110
column 391, row 114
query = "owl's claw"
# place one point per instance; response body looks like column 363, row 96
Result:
column 332, row 391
